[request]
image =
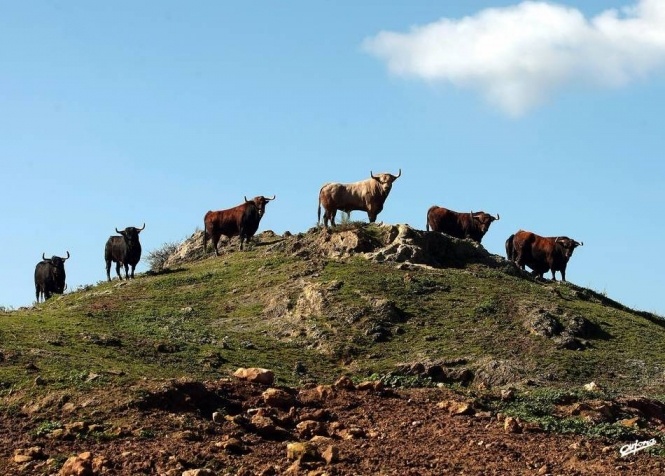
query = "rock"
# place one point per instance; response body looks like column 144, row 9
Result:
column 321, row 440
column 186, row 435
column 76, row 428
column 592, row 387
column 508, row 395
column 29, row 454
column 511, row 425
column 630, row 422
column 255, row 375
column 234, row 446
column 309, row 428
column 275, row 397
column 317, row 395
column 301, row 451
column 262, row 423
column 371, row 385
column 80, row 465
column 352, row 433
column 198, row 472
column 344, row 383
column 456, row 408
column 320, row 414
column 330, row 454
column 218, row 417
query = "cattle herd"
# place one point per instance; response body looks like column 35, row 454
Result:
column 524, row 248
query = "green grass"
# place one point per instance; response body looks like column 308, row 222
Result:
column 206, row 318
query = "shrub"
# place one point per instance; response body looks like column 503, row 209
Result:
column 157, row 258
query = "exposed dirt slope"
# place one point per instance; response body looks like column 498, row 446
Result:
column 342, row 429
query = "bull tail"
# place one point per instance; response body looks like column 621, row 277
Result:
column 510, row 251
column 205, row 235
column 318, row 216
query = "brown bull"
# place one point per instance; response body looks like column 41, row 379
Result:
column 460, row 225
column 366, row 195
column 540, row 253
column 242, row 220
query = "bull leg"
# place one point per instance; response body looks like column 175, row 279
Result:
column 215, row 241
column 47, row 294
column 133, row 267
column 332, row 215
column 108, row 270
column 126, row 266
column 117, row 270
column 37, row 292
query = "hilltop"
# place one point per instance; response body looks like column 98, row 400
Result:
column 451, row 341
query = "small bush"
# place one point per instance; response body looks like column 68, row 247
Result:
column 157, row 258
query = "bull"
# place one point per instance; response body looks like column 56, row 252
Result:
column 459, row 225
column 124, row 250
column 242, row 220
column 367, row 195
column 541, row 253
column 50, row 277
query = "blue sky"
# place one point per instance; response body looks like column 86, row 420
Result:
column 116, row 114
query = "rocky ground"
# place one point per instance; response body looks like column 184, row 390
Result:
column 240, row 427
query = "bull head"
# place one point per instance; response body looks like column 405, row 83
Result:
column 386, row 178
column 568, row 245
column 55, row 258
column 126, row 230
column 260, row 202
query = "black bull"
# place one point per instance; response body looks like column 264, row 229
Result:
column 50, row 276
column 125, row 250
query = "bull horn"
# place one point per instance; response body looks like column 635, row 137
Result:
column 497, row 216
column 581, row 243
column 268, row 199
column 64, row 259
column 245, row 197
column 118, row 231
column 44, row 257
column 399, row 174
column 372, row 175
column 141, row 229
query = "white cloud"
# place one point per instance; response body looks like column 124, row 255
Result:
column 517, row 56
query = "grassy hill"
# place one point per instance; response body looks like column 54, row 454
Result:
column 367, row 301
column 130, row 375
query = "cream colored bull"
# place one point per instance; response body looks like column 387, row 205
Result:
column 367, row 195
